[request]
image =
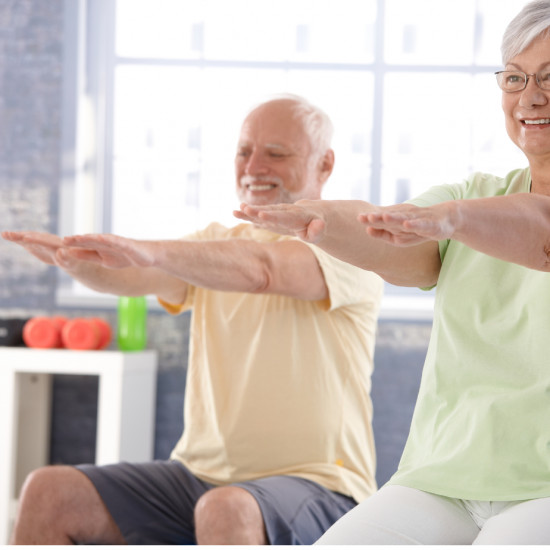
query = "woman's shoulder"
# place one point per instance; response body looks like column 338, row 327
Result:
column 481, row 184
column 477, row 185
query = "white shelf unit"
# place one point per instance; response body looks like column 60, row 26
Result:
column 125, row 416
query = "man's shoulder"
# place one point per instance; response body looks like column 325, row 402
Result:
column 216, row 230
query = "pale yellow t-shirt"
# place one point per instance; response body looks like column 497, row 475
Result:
column 281, row 386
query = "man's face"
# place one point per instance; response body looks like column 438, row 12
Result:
column 274, row 161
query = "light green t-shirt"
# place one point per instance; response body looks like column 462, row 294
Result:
column 281, row 386
column 481, row 426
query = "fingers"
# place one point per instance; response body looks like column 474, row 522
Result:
column 71, row 252
column 81, row 254
column 257, row 214
column 96, row 247
column 65, row 258
column 246, row 213
column 285, row 216
column 41, row 245
column 287, row 219
column 398, row 227
column 32, row 237
column 112, row 251
column 17, row 235
column 13, row 236
column 95, row 241
column 385, row 218
column 241, row 215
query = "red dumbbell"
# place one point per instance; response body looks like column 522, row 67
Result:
column 43, row 332
column 105, row 333
column 86, row 334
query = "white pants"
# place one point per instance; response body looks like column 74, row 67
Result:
column 400, row 515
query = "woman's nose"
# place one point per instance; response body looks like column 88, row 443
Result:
column 532, row 94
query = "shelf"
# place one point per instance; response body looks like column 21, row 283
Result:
column 126, row 411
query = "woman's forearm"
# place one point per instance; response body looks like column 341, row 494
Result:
column 514, row 228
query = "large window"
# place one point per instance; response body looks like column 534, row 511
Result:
column 160, row 89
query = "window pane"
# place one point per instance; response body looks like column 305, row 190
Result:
column 492, row 149
column 187, row 71
column 419, row 32
column 427, row 131
column 346, row 96
column 260, row 30
column 176, row 136
column 179, row 134
column 493, row 17
column 445, row 127
column 294, row 30
column 159, row 28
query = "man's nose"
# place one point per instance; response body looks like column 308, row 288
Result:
column 256, row 164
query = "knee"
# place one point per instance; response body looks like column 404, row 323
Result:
column 228, row 515
column 221, row 502
column 41, row 481
column 48, row 485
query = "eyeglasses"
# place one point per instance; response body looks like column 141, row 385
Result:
column 516, row 81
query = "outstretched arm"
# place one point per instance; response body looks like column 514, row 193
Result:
column 117, row 265
column 285, row 267
column 334, row 227
column 128, row 280
column 514, row 228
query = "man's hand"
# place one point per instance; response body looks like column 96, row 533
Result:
column 111, row 251
column 44, row 246
column 288, row 219
column 106, row 263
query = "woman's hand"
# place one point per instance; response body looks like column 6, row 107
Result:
column 409, row 225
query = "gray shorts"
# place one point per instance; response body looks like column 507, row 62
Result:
column 153, row 503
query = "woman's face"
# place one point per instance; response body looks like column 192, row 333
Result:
column 527, row 113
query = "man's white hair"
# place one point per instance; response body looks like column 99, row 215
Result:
column 315, row 121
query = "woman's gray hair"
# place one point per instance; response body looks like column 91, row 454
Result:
column 316, row 122
column 530, row 23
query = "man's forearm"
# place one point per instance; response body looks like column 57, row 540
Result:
column 242, row 265
column 122, row 282
column 231, row 265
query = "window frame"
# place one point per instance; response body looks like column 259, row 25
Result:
column 87, row 159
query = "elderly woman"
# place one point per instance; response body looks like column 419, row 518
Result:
column 476, row 466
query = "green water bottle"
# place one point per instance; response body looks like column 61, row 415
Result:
column 132, row 323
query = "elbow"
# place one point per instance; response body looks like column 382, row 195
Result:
column 545, row 258
column 260, row 287
column 420, row 278
column 259, row 280
column 534, row 257
column 418, row 281
column 255, row 274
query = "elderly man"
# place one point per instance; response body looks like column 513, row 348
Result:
column 278, row 441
